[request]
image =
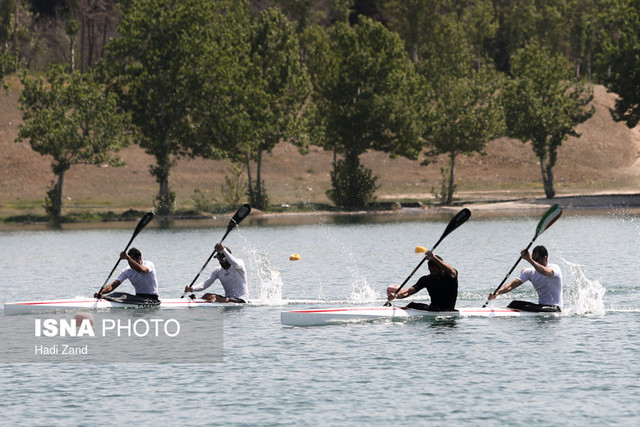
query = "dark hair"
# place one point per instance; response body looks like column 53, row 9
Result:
column 134, row 253
column 540, row 250
column 432, row 263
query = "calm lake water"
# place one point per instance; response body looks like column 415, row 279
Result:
column 578, row 369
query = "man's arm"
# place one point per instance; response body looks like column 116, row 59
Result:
column 402, row 294
column 134, row 264
column 109, row 288
column 545, row 270
column 202, row 285
column 506, row 288
column 446, row 267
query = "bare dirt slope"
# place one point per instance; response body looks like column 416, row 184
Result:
column 603, row 160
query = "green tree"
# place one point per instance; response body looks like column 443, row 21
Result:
column 301, row 11
column 156, row 68
column 465, row 112
column 414, row 20
column 73, row 120
column 543, row 104
column 467, row 115
column 255, row 87
column 366, row 97
column 278, row 87
column 481, row 27
column 8, row 65
column 621, row 61
column 8, row 55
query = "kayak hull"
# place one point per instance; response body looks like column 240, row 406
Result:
column 34, row 307
column 328, row 316
column 31, row 307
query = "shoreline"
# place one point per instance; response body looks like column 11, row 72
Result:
column 597, row 204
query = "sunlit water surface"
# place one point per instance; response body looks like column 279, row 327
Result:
column 578, row 369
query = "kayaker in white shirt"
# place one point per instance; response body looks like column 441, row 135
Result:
column 141, row 274
column 546, row 279
column 232, row 275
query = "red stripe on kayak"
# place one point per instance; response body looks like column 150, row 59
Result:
column 342, row 310
column 93, row 300
column 50, row 302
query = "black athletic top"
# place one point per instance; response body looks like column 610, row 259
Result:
column 443, row 291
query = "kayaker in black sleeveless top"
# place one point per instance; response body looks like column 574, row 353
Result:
column 441, row 283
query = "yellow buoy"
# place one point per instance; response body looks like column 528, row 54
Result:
column 420, row 249
column 294, row 257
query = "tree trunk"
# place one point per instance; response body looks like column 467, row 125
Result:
column 72, row 54
column 16, row 26
column 161, row 172
column 91, row 39
column 259, row 197
column 452, row 178
column 547, row 180
column 250, row 182
column 83, row 39
column 58, row 201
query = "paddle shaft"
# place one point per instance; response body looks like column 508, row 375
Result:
column 455, row 222
column 237, row 218
column 141, row 224
column 547, row 220
column 510, row 271
column 212, row 254
column 414, row 271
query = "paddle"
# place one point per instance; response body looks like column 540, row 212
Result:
column 146, row 219
column 546, row 221
column 455, row 222
column 241, row 214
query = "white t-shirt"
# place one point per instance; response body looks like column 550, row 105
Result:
column 549, row 288
column 143, row 283
column 234, row 280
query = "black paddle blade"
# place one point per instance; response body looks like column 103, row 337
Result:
column 242, row 213
column 460, row 218
column 146, row 219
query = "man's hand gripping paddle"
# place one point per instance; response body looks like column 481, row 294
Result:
column 546, row 221
column 455, row 222
column 241, row 214
column 146, row 219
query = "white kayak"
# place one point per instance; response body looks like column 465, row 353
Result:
column 30, row 307
column 326, row 316
column 89, row 303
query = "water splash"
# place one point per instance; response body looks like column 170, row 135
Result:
column 269, row 280
column 362, row 291
column 584, row 296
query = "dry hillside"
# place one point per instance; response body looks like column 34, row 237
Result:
column 603, row 160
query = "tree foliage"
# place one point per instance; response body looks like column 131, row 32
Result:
column 8, row 65
column 227, row 79
column 366, row 98
column 543, row 104
column 155, row 67
column 621, row 58
column 467, row 115
column 255, row 87
column 73, row 120
column 278, row 87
